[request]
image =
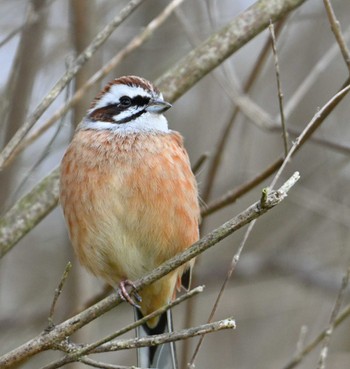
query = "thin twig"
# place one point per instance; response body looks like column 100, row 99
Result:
column 98, row 364
column 312, row 77
column 158, row 339
column 100, row 38
column 311, row 346
column 231, row 269
column 279, row 89
column 301, row 340
column 197, row 166
column 309, row 129
column 57, row 294
column 334, row 314
column 44, row 154
column 231, row 196
column 335, row 26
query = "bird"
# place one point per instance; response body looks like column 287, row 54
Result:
column 130, row 200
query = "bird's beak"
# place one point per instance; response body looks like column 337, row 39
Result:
column 158, row 106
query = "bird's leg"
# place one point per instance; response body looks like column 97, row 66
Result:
column 125, row 295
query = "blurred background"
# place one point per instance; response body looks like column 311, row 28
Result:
column 291, row 268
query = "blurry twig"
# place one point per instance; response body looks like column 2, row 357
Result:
column 310, row 128
column 231, row 269
column 57, row 294
column 32, row 19
column 100, row 38
column 301, row 340
column 334, row 314
column 199, row 163
column 44, row 154
column 98, row 364
column 311, row 346
column 312, row 77
column 335, row 26
column 279, row 88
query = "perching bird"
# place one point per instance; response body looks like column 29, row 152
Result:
column 130, row 198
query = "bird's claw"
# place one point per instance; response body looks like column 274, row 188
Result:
column 125, row 295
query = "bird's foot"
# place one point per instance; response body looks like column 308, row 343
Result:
column 125, row 295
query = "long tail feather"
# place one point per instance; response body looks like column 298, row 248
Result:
column 162, row 356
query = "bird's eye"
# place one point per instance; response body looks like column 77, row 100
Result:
column 125, row 101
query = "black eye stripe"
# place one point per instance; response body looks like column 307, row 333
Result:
column 139, row 100
column 107, row 113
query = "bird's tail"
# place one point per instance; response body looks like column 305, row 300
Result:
column 161, row 356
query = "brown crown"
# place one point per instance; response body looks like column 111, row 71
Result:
column 129, row 81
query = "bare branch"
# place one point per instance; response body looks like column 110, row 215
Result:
column 279, row 89
column 98, row 364
column 311, row 346
column 310, row 128
column 335, row 26
column 28, row 212
column 34, row 17
column 334, row 314
column 58, row 292
column 166, row 337
column 313, row 76
column 232, row 267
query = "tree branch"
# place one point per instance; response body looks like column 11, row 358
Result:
column 28, row 211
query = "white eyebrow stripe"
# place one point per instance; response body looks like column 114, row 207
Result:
column 116, row 92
